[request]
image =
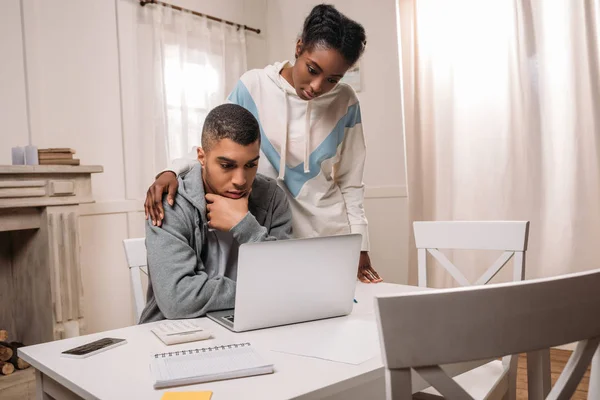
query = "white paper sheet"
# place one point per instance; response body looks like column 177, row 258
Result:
column 351, row 341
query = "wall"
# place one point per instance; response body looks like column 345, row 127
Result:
column 74, row 68
column 385, row 177
column 14, row 130
column 65, row 81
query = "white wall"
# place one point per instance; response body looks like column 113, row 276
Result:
column 385, row 177
column 77, row 67
column 13, row 104
column 74, row 67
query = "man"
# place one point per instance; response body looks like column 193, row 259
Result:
column 222, row 203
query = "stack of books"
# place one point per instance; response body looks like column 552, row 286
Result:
column 57, row 157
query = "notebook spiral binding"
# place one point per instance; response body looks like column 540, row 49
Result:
column 202, row 350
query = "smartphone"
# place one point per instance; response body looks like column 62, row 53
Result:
column 93, row 348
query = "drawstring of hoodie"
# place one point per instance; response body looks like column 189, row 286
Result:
column 284, row 141
column 307, row 139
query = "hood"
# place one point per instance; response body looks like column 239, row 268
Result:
column 274, row 73
column 191, row 187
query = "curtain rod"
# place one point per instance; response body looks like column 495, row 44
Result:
column 143, row 3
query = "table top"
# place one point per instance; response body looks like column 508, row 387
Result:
column 124, row 372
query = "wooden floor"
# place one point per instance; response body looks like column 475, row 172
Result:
column 558, row 360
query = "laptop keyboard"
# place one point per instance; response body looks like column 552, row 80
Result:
column 229, row 318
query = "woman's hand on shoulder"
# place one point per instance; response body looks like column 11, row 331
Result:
column 153, row 206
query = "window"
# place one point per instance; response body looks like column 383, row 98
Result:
column 191, row 88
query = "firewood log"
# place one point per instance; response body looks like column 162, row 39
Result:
column 6, row 368
column 15, row 360
column 6, row 352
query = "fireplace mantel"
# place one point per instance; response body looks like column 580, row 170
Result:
column 41, row 293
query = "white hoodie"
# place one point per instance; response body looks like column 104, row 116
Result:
column 315, row 148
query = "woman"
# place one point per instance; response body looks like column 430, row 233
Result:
column 311, row 132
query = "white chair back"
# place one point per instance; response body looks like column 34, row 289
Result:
column 422, row 330
column 135, row 251
column 509, row 236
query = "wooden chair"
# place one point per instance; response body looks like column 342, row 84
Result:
column 508, row 236
column 422, row 330
column 135, row 251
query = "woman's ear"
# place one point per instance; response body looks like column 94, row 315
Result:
column 299, row 45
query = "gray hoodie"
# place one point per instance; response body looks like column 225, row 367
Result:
column 192, row 268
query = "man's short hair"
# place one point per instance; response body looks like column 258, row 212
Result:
column 229, row 121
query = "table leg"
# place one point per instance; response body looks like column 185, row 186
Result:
column 39, row 387
column 47, row 388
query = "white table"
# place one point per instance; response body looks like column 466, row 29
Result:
column 123, row 372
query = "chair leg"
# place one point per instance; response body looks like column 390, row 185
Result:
column 538, row 374
column 398, row 384
column 594, row 388
column 512, row 363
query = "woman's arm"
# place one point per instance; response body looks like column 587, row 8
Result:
column 166, row 182
column 348, row 174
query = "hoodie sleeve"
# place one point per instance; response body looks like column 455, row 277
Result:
column 182, row 288
column 249, row 230
column 181, row 166
column 240, row 94
column 348, row 174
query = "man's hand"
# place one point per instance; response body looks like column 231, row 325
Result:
column 224, row 213
column 366, row 273
column 153, row 206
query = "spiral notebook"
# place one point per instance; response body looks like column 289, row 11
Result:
column 207, row 364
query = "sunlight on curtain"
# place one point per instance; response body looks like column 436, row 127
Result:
column 502, row 119
column 186, row 66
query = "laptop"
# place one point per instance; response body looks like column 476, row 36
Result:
column 290, row 281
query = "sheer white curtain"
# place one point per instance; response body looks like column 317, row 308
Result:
column 502, row 121
column 186, row 65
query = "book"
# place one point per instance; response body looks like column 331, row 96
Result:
column 55, row 156
column 74, row 161
column 207, row 364
column 180, row 331
column 57, row 150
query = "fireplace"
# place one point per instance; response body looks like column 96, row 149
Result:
column 40, row 275
column 41, row 294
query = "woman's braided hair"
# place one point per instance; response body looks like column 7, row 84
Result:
column 327, row 28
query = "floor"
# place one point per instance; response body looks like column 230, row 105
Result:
column 558, row 360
